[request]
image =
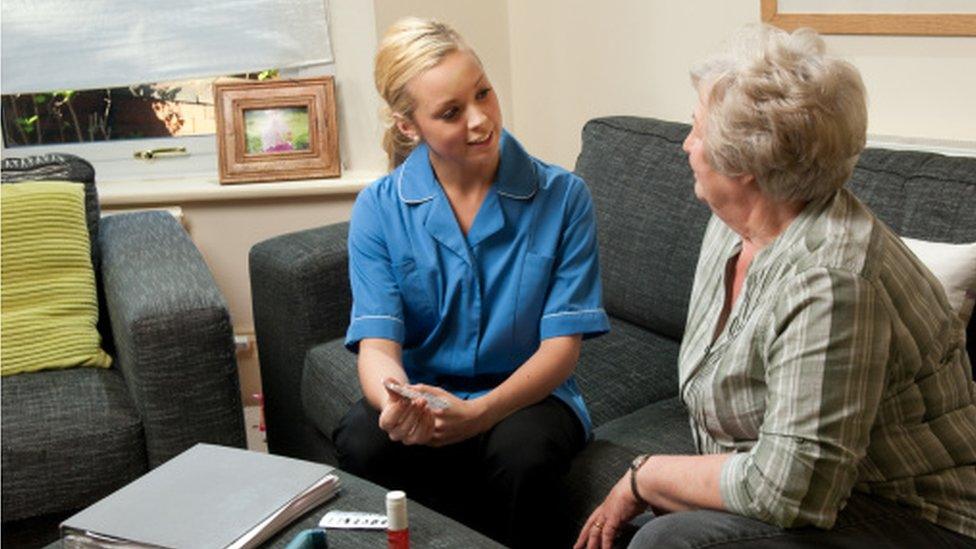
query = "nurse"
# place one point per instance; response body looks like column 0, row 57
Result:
column 474, row 276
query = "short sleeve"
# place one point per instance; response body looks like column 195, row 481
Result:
column 377, row 307
column 574, row 304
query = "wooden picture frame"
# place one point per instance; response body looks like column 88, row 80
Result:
column 910, row 24
column 276, row 130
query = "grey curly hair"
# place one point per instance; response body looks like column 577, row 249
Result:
column 781, row 109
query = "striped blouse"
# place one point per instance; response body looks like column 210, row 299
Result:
column 841, row 367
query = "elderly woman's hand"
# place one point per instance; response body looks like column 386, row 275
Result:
column 604, row 523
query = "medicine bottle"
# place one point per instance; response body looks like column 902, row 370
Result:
column 397, row 531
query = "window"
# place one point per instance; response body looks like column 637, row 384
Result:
column 102, row 110
column 86, row 116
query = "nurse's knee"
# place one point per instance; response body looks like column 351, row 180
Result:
column 534, row 444
column 525, row 457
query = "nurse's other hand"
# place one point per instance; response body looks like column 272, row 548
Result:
column 461, row 420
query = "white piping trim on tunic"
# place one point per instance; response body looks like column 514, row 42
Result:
column 377, row 317
column 517, row 197
column 569, row 313
column 400, row 189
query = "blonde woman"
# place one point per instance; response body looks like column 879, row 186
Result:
column 474, row 275
column 826, row 377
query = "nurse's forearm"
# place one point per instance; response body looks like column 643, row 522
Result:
column 545, row 370
column 378, row 360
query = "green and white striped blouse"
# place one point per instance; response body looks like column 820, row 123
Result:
column 841, row 366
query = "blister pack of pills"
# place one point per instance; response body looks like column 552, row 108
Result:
column 352, row 520
column 433, row 401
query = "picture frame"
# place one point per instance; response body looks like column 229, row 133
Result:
column 276, row 130
column 906, row 24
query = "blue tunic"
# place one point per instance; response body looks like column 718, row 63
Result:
column 469, row 310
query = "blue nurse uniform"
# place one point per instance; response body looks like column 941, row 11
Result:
column 470, row 309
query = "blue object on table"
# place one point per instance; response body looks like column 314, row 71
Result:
column 313, row 538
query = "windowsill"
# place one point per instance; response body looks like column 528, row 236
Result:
column 122, row 193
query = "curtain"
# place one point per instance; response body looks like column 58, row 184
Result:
column 83, row 44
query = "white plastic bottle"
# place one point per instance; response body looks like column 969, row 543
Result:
column 397, row 530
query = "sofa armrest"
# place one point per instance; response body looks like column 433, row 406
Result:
column 172, row 333
column 330, row 386
column 301, row 298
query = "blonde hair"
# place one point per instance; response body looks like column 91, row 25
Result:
column 782, row 110
column 410, row 47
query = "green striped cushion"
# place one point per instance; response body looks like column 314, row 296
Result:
column 47, row 299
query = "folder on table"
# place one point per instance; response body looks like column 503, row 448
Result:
column 207, row 497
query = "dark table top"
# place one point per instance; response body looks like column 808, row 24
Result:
column 427, row 528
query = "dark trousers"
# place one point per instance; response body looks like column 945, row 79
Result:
column 504, row 482
column 865, row 522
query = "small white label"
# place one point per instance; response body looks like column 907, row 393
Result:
column 352, row 520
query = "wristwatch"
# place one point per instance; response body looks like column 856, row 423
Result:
column 634, row 466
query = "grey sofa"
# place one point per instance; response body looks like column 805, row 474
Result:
column 73, row 436
column 650, row 227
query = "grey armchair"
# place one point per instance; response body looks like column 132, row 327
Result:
column 72, row 436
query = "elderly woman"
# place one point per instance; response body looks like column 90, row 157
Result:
column 830, row 395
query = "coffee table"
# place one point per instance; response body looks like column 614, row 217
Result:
column 427, row 527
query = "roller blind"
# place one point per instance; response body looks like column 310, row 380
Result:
column 84, row 44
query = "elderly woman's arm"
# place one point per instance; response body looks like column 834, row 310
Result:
column 826, row 356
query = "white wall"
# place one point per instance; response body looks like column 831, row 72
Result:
column 575, row 59
column 353, row 35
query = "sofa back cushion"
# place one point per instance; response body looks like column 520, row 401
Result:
column 649, row 223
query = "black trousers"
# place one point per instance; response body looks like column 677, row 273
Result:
column 504, row 482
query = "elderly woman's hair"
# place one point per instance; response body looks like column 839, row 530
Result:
column 410, row 47
column 782, row 110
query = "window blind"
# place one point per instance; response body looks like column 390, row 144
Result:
column 84, row 44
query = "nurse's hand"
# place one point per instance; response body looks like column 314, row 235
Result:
column 407, row 421
column 461, row 420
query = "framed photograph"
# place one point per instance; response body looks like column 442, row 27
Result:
column 276, row 130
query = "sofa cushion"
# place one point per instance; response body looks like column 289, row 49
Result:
column 50, row 308
column 70, row 437
column 626, row 369
column 660, row 428
column 649, row 223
